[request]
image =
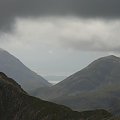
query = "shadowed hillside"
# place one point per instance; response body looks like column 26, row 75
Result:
column 16, row 104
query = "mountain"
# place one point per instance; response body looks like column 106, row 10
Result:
column 14, row 68
column 96, row 86
column 16, row 104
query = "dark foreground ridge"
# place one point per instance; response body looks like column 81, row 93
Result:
column 16, row 104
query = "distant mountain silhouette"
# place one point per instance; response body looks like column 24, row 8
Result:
column 16, row 104
column 96, row 86
column 14, row 68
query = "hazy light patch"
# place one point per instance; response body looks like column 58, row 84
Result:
column 54, row 82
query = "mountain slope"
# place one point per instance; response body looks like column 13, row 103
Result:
column 16, row 104
column 96, row 86
column 17, row 70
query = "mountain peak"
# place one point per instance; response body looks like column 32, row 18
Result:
column 112, row 57
column 2, row 75
column 105, row 60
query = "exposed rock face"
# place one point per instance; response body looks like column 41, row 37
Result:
column 16, row 104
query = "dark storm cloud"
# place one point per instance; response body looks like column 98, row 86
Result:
column 10, row 9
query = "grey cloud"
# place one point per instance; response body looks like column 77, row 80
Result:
column 70, row 33
column 10, row 9
column 92, row 45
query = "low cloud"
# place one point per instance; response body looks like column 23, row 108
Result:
column 65, row 33
column 92, row 35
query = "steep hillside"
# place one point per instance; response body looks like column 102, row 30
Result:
column 96, row 86
column 17, row 70
column 16, row 104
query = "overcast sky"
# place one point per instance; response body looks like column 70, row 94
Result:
column 59, row 37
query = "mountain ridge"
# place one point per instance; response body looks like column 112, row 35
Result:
column 93, row 87
column 14, row 68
